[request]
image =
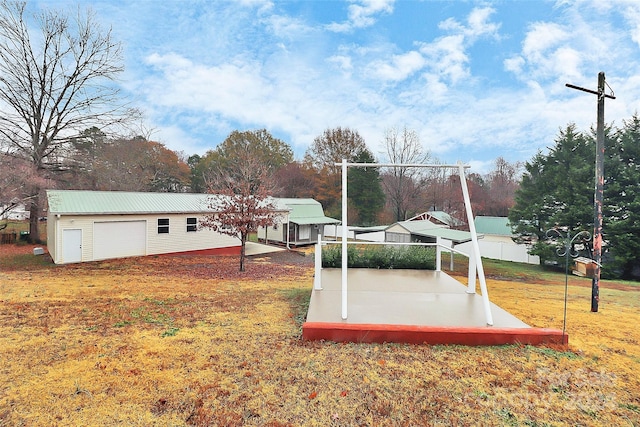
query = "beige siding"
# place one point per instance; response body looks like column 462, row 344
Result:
column 177, row 240
column 51, row 236
column 68, row 223
column 397, row 228
column 397, row 234
column 274, row 234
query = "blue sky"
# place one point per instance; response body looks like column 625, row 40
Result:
column 475, row 80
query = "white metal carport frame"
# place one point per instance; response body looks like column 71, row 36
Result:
column 475, row 258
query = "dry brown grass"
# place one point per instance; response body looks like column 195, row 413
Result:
column 154, row 342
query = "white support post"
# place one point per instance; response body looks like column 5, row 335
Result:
column 287, row 231
column 476, row 246
column 451, row 257
column 344, row 239
column 438, row 254
column 317, row 278
column 471, row 275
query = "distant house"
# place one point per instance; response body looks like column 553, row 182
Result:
column 96, row 225
column 498, row 241
column 439, row 218
column 424, row 231
column 19, row 212
column 303, row 220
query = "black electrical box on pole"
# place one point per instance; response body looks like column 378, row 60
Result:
column 599, row 187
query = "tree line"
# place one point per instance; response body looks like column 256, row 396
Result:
column 557, row 191
column 375, row 195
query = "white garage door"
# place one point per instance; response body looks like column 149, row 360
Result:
column 119, row 239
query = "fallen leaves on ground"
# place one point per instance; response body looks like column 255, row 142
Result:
column 191, row 341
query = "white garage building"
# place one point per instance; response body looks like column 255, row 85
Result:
column 96, row 225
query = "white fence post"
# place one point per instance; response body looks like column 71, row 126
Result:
column 438, row 254
column 344, row 239
column 317, row 278
column 451, row 266
column 471, row 275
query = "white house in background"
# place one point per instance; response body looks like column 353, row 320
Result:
column 424, row 231
column 302, row 221
column 410, row 230
column 96, row 225
column 439, row 218
column 17, row 213
column 498, row 241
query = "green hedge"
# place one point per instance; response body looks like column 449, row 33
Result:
column 382, row 257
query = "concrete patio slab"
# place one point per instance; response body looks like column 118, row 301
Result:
column 253, row 248
column 412, row 306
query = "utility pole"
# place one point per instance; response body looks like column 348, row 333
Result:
column 599, row 187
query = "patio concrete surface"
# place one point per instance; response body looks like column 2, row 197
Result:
column 253, row 248
column 413, row 306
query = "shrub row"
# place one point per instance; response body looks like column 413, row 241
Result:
column 382, row 257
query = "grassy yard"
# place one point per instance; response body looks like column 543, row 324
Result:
column 175, row 341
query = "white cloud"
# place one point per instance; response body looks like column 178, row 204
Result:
column 447, row 57
column 540, row 38
column 631, row 14
column 288, row 27
column 551, row 52
column 176, row 139
column 400, row 66
column 514, row 64
column 478, row 24
column 362, row 14
column 343, row 62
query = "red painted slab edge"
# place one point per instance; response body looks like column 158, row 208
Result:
column 472, row 336
column 229, row 250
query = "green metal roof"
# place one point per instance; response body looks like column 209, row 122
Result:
column 305, row 211
column 417, row 226
column 80, row 202
column 456, row 236
column 496, row 225
column 83, row 202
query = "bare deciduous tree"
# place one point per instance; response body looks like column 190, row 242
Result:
column 402, row 147
column 56, row 79
column 503, row 183
column 241, row 185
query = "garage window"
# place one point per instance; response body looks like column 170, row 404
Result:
column 163, row 225
column 192, row 224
